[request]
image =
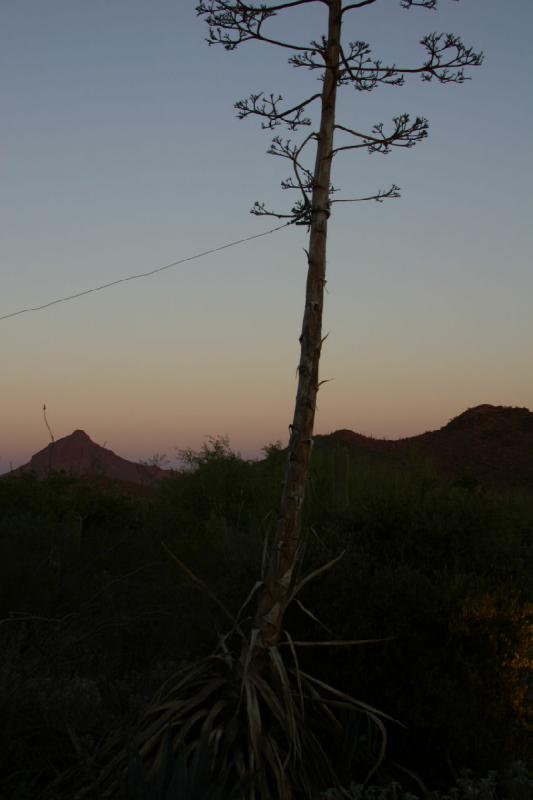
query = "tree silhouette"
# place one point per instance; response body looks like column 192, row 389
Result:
column 233, row 23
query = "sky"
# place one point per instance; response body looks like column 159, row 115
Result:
column 120, row 152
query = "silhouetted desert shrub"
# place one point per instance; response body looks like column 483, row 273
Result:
column 514, row 783
column 446, row 573
column 94, row 614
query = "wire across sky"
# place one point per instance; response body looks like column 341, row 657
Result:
column 148, row 274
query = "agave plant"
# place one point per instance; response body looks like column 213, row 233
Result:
column 244, row 723
column 266, row 729
column 251, row 727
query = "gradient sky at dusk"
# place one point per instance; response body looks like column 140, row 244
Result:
column 120, row 152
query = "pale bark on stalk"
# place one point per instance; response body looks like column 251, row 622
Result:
column 275, row 591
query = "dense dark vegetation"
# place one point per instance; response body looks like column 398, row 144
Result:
column 95, row 614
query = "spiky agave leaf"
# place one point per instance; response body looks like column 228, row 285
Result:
column 270, row 726
column 264, row 721
column 179, row 778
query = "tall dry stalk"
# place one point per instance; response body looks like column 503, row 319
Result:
column 276, row 586
column 232, row 23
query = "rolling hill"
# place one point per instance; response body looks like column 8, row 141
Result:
column 492, row 444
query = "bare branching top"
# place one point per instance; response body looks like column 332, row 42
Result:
column 445, row 58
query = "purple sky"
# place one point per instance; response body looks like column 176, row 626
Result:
column 120, row 152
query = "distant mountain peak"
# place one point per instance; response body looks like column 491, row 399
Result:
column 79, row 434
column 488, row 414
column 77, row 454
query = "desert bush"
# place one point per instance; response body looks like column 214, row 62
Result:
column 515, row 783
column 446, row 573
column 91, row 604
